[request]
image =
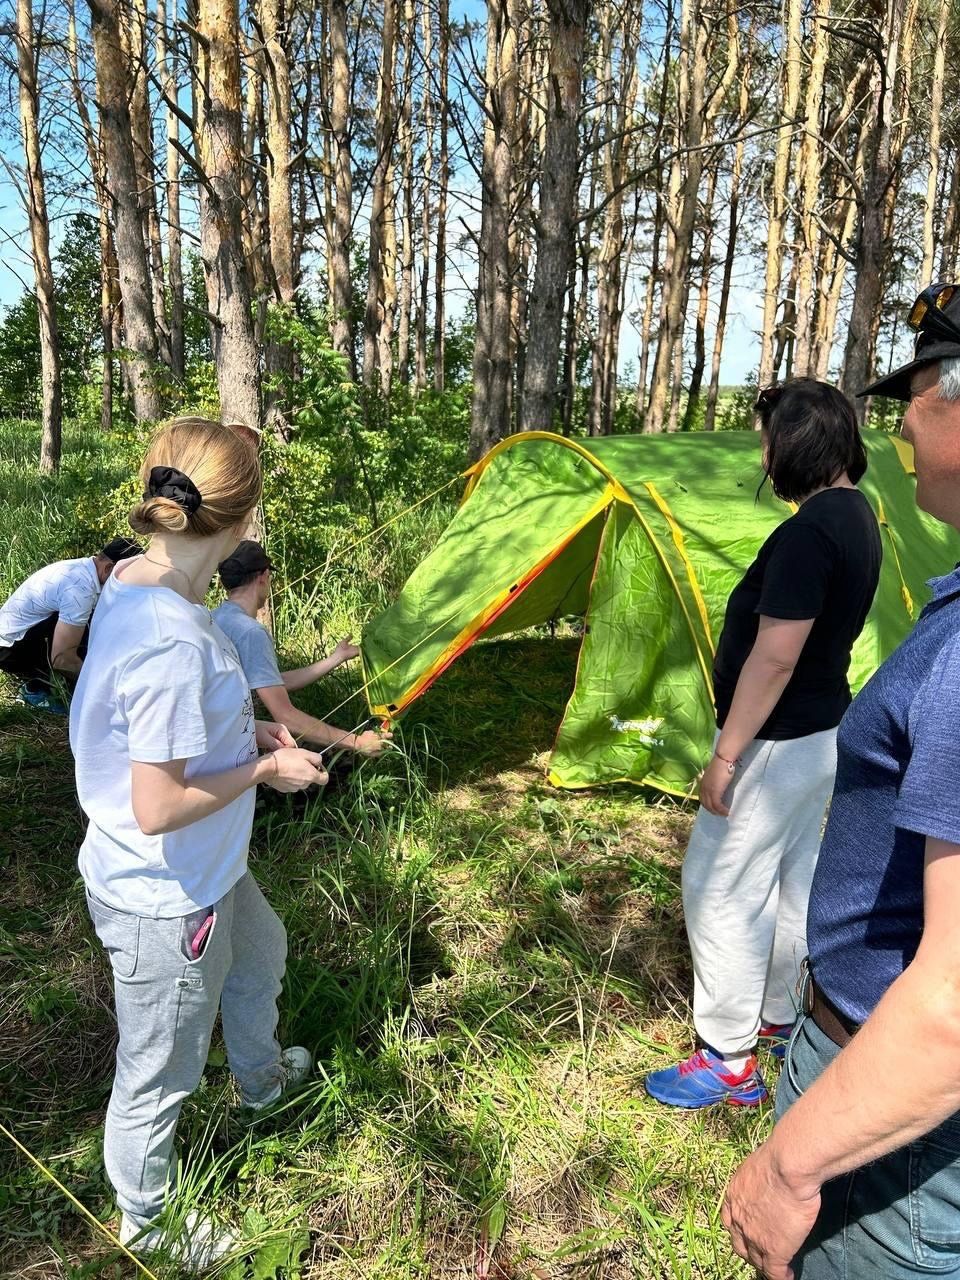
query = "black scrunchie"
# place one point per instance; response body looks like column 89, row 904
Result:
column 168, row 482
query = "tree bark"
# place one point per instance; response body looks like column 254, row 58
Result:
column 790, row 98
column 808, row 199
column 133, row 33
column 218, row 122
column 703, row 298
column 167, row 60
column 867, row 296
column 342, row 297
column 440, row 271
column 404, row 327
column 114, row 91
column 933, row 160
column 108, row 260
column 50, row 378
column 380, row 204
column 490, row 413
column 556, row 218
column 426, row 196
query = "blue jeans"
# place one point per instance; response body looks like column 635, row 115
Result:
column 896, row 1217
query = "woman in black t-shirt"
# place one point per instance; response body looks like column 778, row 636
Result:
column 780, row 684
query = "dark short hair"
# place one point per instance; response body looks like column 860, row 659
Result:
column 812, row 437
column 121, row 549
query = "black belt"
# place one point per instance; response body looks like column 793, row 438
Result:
column 831, row 1021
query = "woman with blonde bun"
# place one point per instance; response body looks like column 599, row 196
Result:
column 166, row 748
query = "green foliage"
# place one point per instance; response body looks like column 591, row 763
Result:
column 20, row 359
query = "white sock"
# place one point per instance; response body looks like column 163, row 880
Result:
column 736, row 1063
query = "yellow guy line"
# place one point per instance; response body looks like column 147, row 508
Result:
column 681, row 547
column 74, row 1201
column 352, row 546
column 905, row 595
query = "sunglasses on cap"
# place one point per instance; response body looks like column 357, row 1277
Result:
column 927, row 313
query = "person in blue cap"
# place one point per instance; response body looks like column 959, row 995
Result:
column 861, row 1176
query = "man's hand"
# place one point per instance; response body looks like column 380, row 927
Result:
column 767, row 1220
column 715, row 780
column 345, row 651
column 271, row 737
column 372, row 743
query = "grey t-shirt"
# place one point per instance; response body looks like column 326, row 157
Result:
column 253, row 643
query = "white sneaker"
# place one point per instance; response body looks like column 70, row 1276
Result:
column 295, row 1066
column 197, row 1243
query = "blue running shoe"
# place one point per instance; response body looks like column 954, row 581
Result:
column 703, row 1080
column 776, row 1036
column 43, row 701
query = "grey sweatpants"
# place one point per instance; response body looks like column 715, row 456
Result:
column 166, row 1006
column 746, row 884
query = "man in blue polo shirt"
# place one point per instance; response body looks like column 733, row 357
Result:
column 861, row 1177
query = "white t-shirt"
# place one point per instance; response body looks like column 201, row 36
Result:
column 253, row 643
column 161, row 682
column 69, row 588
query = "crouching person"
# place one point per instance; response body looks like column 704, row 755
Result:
column 167, row 762
column 43, row 624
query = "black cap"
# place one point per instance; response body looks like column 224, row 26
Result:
column 248, row 558
column 121, row 549
column 932, row 345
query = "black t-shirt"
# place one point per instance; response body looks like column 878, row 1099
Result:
column 822, row 563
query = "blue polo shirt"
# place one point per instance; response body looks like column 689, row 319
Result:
column 898, row 781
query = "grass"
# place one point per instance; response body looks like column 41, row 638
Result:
column 484, row 967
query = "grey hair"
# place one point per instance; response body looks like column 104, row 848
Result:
column 950, row 378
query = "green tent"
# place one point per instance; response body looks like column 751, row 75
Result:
column 645, row 536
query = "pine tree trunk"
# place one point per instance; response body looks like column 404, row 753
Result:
column 219, row 138
column 808, row 200
column 490, row 415
column 108, row 261
column 278, row 356
column 951, row 224
column 404, row 327
column 50, row 378
column 440, row 270
column 342, row 298
column 114, row 92
column 556, row 218
column 380, row 207
column 867, row 296
column 426, row 195
column 133, row 32
column 790, row 98
column 167, row 66
column 933, row 160
column 703, row 297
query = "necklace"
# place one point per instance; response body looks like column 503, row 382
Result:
column 172, row 568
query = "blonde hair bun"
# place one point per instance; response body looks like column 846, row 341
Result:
column 220, row 461
column 159, row 515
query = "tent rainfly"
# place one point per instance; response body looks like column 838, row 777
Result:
column 644, row 536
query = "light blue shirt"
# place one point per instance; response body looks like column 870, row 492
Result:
column 253, row 643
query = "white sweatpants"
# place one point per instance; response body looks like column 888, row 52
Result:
column 746, row 882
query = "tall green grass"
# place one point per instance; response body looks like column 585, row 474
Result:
column 484, row 968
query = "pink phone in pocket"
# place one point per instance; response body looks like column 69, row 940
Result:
column 201, row 936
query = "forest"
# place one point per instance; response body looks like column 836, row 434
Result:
column 496, row 204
